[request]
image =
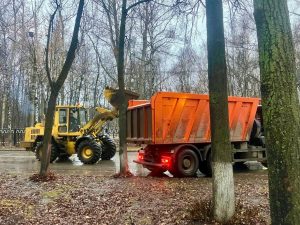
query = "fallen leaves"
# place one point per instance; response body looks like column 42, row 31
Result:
column 41, row 178
column 72, row 199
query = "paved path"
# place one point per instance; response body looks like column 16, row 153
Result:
column 25, row 162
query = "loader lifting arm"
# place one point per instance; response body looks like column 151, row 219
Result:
column 95, row 125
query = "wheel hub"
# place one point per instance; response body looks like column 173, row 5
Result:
column 186, row 163
column 87, row 153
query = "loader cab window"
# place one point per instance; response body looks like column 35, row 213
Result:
column 62, row 116
column 74, row 123
column 82, row 117
column 62, row 128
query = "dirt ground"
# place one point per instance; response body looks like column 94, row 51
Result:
column 87, row 199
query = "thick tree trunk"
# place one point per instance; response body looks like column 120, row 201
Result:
column 281, row 111
column 223, row 185
column 123, row 107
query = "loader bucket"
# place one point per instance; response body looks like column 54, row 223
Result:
column 112, row 95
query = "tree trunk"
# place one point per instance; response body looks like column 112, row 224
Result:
column 3, row 111
column 45, row 160
column 223, row 185
column 123, row 107
column 281, row 111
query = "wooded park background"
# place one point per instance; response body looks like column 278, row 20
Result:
column 165, row 51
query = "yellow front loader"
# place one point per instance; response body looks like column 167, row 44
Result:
column 73, row 134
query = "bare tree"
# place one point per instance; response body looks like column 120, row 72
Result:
column 56, row 85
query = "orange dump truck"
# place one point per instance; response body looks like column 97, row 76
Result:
column 175, row 130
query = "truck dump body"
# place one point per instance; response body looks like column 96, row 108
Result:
column 175, row 118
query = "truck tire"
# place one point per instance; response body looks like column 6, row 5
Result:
column 54, row 151
column 205, row 166
column 108, row 147
column 186, row 164
column 89, row 152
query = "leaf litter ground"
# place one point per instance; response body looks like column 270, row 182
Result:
column 74, row 199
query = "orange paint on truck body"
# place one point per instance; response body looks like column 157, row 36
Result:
column 175, row 118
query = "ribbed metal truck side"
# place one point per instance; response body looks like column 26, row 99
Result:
column 175, row 129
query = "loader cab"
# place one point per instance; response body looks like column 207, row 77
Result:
column 77, row 119
column 71, row 119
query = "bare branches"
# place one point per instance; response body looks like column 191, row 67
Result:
column 48, row 72
column 294, row 13
column 202, row 3
column 72, row 50
column 137, row 3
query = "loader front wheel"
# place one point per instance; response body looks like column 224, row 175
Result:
column 108, row 147
column 38, row 151
column 89, row 151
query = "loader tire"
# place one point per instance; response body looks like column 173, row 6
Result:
column 108, row 147
column 63, row 157
column 89, row 151
column 54, row 151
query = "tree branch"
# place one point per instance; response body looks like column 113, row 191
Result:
column 48, row 72
column 113, row 42
column 72, row 49
column 294, row 13
column 202, row 3
column 137, row 3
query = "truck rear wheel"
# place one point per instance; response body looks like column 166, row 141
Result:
column 108, row 147
column 89, row 151
column 187, row 164
column 53, row 155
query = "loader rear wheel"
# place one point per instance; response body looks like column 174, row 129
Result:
column 63, row 157
column 89, row 151
column 54, row 151
column 187, row 164
column 108, row 147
